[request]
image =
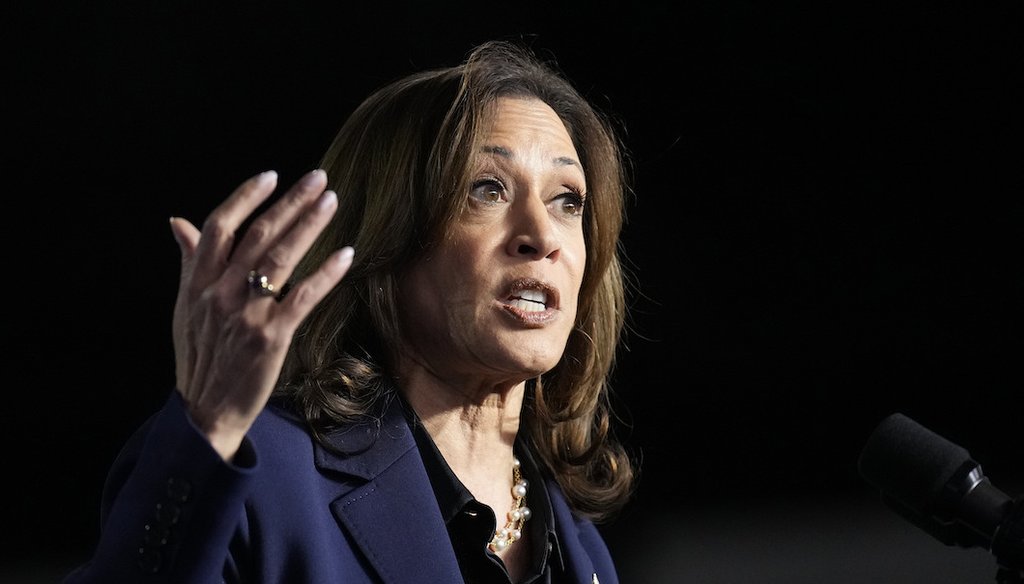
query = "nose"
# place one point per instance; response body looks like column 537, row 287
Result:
column 533, row 234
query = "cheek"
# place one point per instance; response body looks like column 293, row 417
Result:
column 575, row 257
column 456, row 275
column 471, row 252
column 577, row 263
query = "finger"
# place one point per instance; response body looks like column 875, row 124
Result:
column 219, row 229
column 278, row 263
column 305, row 295
column 265, row 230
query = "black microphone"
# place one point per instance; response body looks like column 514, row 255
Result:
column 937, row 486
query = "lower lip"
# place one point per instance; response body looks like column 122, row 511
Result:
column 531, row 319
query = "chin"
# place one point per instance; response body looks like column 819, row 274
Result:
column 530, row 355
column 540, row 365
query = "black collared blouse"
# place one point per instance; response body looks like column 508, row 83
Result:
column 471, row 523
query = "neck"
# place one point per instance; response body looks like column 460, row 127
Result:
column 471, row 423
column 476, row 440
column 474, row 429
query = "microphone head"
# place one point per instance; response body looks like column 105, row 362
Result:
column 934, row 484
column 911, row 464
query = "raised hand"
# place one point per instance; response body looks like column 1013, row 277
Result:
column 231, row 327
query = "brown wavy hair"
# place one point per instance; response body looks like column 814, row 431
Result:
column 400, row 165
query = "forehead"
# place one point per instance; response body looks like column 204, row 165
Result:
column 523, row 127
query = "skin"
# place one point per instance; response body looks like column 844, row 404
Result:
column 471, row 342
column 230, row 343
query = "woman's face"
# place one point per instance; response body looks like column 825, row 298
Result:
column 496, row 300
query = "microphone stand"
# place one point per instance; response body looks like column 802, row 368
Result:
column 1008, row 545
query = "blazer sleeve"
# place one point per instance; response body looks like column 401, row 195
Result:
column 170, row 506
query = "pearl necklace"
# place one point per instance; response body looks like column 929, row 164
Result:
column 517, row 515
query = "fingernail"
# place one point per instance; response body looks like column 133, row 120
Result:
column 311, row 177
column 327, row 200
column 266, row 177
column 345, row 254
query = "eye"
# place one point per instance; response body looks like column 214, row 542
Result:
column 489, row 190
column 571, row 203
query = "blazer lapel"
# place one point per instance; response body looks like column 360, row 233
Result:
column 391, row 512
column 577, row 558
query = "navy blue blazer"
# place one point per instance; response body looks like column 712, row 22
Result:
column 289, row 510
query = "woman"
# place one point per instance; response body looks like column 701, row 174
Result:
column 432, row 408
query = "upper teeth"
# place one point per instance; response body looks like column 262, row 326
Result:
column 530, row 300
column 534, row 295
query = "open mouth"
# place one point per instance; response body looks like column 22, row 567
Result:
column 530, row 296
column 529, row 301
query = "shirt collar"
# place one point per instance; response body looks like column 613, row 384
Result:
column 453, row 496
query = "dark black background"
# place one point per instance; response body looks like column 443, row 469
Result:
column 825, row 230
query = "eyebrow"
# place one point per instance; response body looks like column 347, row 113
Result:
column 506, row 153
